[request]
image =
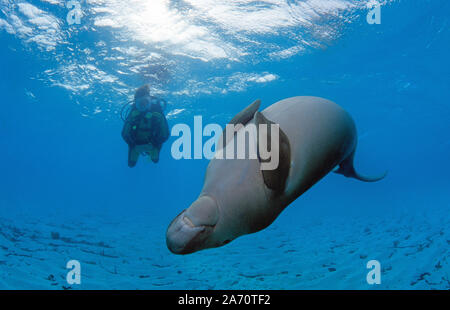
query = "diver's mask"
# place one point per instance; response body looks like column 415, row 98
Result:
column 145, row 103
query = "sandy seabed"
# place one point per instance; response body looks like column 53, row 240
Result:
column 325, row 253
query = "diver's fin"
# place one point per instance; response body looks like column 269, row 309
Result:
column 347, row 169
column 275, row 179
column 133, row 156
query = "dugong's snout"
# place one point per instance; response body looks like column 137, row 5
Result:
column 192, row 229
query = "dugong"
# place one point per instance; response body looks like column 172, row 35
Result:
column 316, row 136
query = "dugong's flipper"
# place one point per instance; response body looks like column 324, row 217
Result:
column 241, row 118
column 347, row 169
column 246, row 115
column 275, row 179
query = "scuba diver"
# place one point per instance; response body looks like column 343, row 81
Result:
column 145, row 128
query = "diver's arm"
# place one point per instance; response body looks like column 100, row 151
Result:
column 126, row 132
column 160, row 129
column 166, row 131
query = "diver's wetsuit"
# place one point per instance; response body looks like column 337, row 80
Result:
column 145, row 132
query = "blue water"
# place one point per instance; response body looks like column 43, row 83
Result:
column 64, row 166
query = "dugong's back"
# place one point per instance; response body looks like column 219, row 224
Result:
column 321, row 135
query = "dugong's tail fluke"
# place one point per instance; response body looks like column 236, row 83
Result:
column 347, row 169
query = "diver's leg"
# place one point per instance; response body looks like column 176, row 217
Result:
column 149, row 149
column 133, row 156
column 154, row 154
